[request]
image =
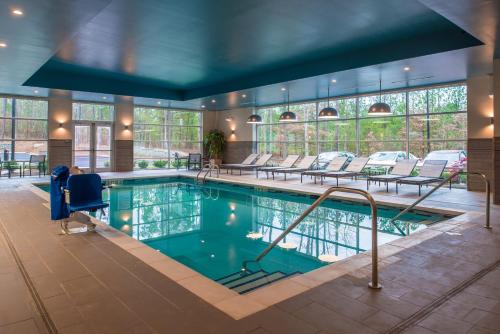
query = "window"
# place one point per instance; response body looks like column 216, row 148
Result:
column 162, row 134
column 93, row 112
column 23, row 128
column 422, row 121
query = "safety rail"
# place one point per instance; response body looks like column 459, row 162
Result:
column 210, row 167
column 443, row 182
column 374, row 282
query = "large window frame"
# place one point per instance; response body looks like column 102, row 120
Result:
column 173, row 135
column 27, row 124
column 354, row 124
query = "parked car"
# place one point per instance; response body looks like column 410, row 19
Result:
column 457, row 159
column 325, row 157
column 388, row 158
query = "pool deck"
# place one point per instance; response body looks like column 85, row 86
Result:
column 443, row 280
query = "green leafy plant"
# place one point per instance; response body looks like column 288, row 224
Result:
column 143, row 164
column 160, row 163
column 215, row 143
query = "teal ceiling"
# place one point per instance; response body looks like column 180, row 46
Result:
column 195, row 50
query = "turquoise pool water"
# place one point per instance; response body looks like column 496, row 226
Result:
column 206, row 227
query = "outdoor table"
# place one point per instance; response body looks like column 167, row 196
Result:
column 178, row 161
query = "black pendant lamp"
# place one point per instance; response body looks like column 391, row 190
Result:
column 288, row 116
column 380, row 108
column 254, row 118
column 328, row 112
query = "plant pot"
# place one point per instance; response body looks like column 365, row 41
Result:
column 217, row 162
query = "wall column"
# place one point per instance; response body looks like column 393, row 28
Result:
column 123, row 134
column 238, row 133
column 479, row 130
column 496, row 132
column 60, row 126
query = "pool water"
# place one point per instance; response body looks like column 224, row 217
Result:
column 206, row 226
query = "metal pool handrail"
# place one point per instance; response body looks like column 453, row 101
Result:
column 374, row 284
column 210, row 169
column 439, row 185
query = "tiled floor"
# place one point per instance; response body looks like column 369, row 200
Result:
column 89, row 285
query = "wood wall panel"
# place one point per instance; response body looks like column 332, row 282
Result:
column 479, row 159
column 124, row 155
column 60, row 152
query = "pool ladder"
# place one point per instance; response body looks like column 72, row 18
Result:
column 211, row 167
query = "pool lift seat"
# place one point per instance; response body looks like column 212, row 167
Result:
column 83, row 192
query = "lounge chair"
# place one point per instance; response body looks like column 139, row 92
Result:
column 248, row 161
column 335, row 165
column 430, row 172
column 287, row 163
column 354, row 169
column 304, row 164
column 261, row 162
column 402, row 169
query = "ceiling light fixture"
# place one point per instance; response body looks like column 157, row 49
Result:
column 328, row 112
column 254, row 118
column 213, row 101
column 406, row 68
column 17, row 12
column 158, row 102
column 35, row 91
column 3, row 45
column 288, row 116
column 334, row 81
column 202, row 106
column 104, row 98
column 380, row 108
column 243, row 95
column 283, row 89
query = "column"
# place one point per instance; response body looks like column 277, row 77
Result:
column 123, row 134
column 60, row 144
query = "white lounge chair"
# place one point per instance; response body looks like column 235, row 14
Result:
column 354, row 169
column 335, row 165
column 287, row 163
column 305, row 164
column 430, row 172
column 402, row 169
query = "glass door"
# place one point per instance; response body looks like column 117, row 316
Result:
column 92, row 146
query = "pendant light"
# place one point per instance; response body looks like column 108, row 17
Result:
column 328, row 112
column 254, row 118
column 380, row 108
column 288, row 116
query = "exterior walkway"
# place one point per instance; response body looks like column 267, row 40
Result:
column 445, row 284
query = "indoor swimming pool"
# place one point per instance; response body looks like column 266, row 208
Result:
column 214, row 227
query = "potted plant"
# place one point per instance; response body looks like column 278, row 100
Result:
column 215, row 142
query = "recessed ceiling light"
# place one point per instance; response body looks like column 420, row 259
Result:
column 243, row 95
column 213, row 101
column 406, row 68
column 334, row 81
column 17, row 11
column 283, row 89
column 3, row 45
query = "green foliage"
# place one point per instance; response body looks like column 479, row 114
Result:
column 143, row 164
column 160, row 163
column 214, row 143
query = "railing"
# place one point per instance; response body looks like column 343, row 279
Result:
column 443, row 182
column 374, row 282
column 210, row 167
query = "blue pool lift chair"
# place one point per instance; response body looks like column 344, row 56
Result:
column 83, row 192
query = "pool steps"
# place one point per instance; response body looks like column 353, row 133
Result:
column 243, row 282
